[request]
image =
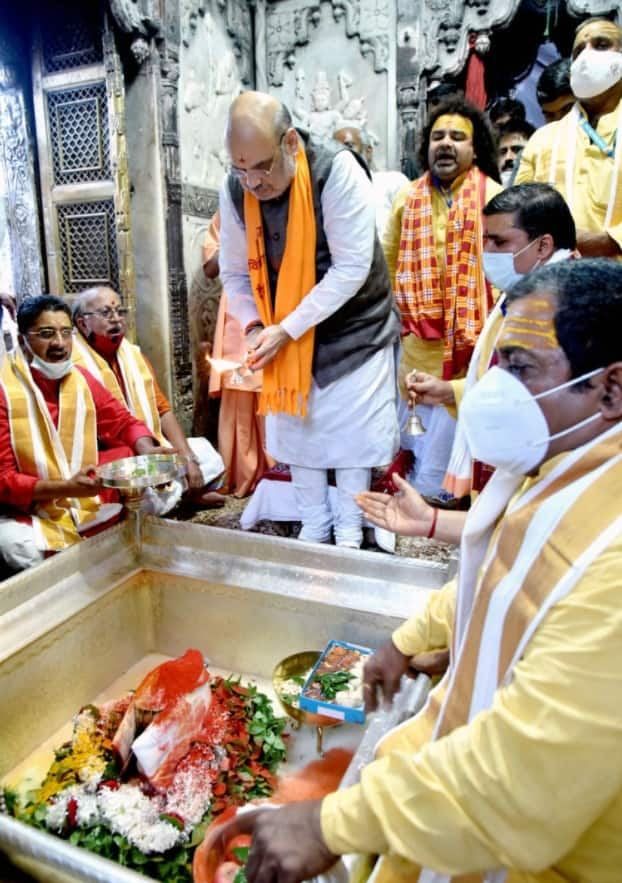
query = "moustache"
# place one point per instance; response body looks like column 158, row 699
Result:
column 508, row 165
column 445, row 154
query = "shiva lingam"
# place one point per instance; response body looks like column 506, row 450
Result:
column 131, row 476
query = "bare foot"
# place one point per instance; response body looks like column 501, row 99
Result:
column 208, row 500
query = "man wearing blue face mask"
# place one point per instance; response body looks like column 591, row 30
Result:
column 525, row 227
column 581, row 154
column 525, row 726
column 52, row 416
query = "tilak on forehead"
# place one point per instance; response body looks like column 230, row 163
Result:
column 599, row 28
column 454, row 122
column 529, row 325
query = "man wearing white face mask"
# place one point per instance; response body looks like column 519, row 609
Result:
column 52, row 416
column 581, row 154
column 525, row 726
column 525, row 226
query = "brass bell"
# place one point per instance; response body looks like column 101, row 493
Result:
column 415, row 426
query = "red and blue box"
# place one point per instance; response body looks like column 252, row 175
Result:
column 325, row 707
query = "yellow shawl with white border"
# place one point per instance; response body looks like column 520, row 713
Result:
column 140, row 398
column 521, row 554
column 52, row 453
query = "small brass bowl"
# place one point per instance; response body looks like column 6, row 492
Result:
column 299, row 664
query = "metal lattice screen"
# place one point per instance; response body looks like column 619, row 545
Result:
column 78, row 119
column 71, row 36
column 88, row 245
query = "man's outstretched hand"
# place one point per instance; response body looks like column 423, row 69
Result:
column 406, row 513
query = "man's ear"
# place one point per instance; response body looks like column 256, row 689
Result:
column 611, row 401
column 291, row 140
column 546, row 247
column 80, row 325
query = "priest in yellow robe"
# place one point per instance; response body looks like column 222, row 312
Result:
column 512, row 772
column 581, row 154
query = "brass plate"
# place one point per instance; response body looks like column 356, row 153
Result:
column 146, row 470
column 299, row 664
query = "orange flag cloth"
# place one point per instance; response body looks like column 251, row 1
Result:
column 287, row 378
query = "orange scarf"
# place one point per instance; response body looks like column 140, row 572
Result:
column 287, row 378
column 449, row 305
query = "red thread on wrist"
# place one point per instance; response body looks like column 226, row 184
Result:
column 433, row 525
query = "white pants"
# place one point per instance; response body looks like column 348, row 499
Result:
column 311, row 488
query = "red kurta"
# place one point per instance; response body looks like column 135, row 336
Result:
column 117, row 430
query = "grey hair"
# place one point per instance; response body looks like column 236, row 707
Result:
column 84, row 298
column 282, row 121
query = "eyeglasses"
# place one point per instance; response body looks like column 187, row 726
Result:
column 109, row 312
column 51, row 333
column 259, row 173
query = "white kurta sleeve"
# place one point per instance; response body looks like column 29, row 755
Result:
column 233, row 262
column 349, row 225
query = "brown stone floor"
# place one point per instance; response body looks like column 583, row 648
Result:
column 229, row 516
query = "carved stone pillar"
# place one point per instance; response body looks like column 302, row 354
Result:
column 595, row 8
column 23, row 243
column 178, row 290
column 433, row 42
column 120, row 170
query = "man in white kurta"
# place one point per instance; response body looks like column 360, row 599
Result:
column 350, row 422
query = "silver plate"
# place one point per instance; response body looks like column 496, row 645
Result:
column 146, row 470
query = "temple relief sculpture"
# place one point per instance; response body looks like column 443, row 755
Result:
column 320, row 114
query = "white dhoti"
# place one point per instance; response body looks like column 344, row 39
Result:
column 351, row 426
column 350, row 423
column 18, row 544
column 22, row 545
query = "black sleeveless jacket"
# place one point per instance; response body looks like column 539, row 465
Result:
column 369, row 320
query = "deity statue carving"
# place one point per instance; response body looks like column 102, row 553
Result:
column 191, row 10
column 323, row 118
column 300, row 114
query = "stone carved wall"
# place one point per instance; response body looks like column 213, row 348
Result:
column 595, row 7
column 216, row 63
column 332, row 62
column 289, row 28
column 140, row 20
column 238, row 22
column 433, row 42
column 170, row 49
column 19, row 227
